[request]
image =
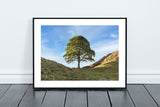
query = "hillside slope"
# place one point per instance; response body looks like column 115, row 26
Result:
column 51, row 70
column 104, row 69
column 111, row 57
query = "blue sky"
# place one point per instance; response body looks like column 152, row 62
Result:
column 54, row 38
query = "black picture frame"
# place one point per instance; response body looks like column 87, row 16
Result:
column 125, row 71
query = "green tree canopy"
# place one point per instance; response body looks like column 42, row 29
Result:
column 78, row 49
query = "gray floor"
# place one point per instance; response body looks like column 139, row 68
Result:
column 134, row 96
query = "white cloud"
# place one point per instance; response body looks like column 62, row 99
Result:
column 44, row 41
column 48, row 53
column 102, row 48
column 72, row 32
column 87, row 31
column 107, row 48
column 113, row 35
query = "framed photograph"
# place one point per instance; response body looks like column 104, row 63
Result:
column 79, row 52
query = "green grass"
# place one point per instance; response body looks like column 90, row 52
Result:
column 51, row 70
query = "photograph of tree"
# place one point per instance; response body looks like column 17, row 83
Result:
column 80, row 52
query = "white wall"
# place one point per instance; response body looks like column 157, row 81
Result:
column 16, row 33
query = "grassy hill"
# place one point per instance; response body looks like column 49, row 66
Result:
column 104, row 69
column 111, row 57
column 51, row 70
column 109, row 60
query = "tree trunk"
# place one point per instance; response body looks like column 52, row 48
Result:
column 78, row 62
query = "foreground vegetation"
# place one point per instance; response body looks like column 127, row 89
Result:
column 51, row 70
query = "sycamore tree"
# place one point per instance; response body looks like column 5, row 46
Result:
column 78, row 49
